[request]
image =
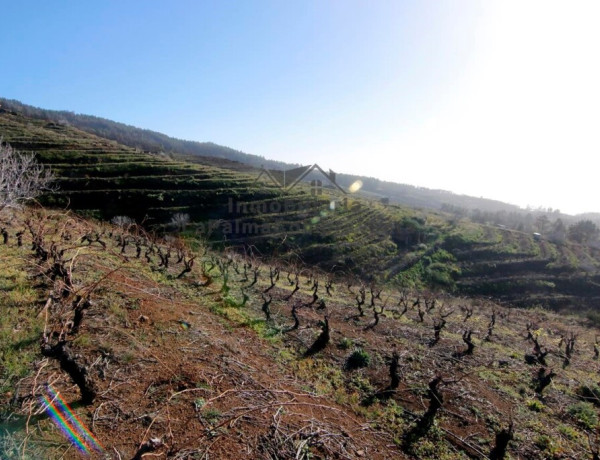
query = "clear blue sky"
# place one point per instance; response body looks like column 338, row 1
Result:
column 490, row 98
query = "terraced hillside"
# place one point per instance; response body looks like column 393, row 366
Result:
column 201, row 152
column 106, row 179
column 343, row 234
column 525, row 270
column 103, row 179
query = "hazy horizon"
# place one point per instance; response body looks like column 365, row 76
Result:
column 488, row 99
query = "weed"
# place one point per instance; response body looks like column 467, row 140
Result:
column 211, row 415
column 345, row 343
column 230, row 302
column 360, row 384
column 523, row 390
column 476, row 412
column 83, row 340
column 585, row 414
column 548, row 445
column 359, row 358
column 569, row 432
column 535, row 405
column 128, row 357
column 116, row 310
column 199, row 403
column 285, row 355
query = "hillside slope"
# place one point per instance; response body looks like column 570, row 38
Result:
column 232, row 357
column 148, row 140
column 108, row 179
column 343, row 234
column 104, row 179
column 521, row 269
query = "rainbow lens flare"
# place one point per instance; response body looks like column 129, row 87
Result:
column 68, row 423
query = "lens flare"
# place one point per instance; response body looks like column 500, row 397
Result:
column 68, row 423
column 356, row 186
column 62, row 404
column 64, row 426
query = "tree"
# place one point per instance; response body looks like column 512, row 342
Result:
column 584, row 231
column 180, row 220
column 558, row 232
column 22, row 178
column 542, row 222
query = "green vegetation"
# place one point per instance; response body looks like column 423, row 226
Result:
column 585, row 414
column 410, row 248
column 345, row 343
column 183, row 357
column 197, row 334
column 359, row 358
column 216, row 155
column 19, row 327
column 535, row 405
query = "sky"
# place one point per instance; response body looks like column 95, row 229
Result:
column 491, row 98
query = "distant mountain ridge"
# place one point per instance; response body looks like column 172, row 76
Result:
column 153, row 141
column 143, row 139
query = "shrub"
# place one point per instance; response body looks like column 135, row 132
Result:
column 584, row 413
column 547, row 444
column 569, row 432
column 535, row 405
column 359, row 358
column 345, row 343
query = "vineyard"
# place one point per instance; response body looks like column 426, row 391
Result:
column 165, row 348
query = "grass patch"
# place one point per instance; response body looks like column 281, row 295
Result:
column 20, row 330
column 585, row 414
column 535, row 405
